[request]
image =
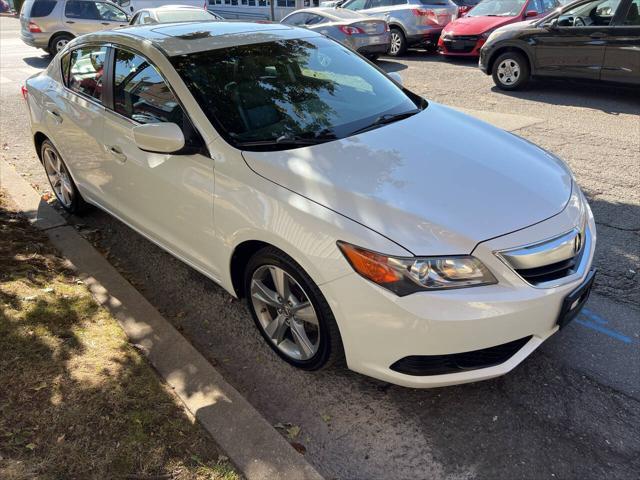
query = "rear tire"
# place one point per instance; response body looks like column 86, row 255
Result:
column 58, row 42
column 510, row 71
column 398, row 46
column 62, row 185
column 315, row 322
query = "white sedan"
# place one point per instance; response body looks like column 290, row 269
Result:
column 359, row 220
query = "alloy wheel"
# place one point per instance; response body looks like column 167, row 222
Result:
column 58, row 176
column 61, row 43
column 396, row 43
column 285, row 313
column 508, row 71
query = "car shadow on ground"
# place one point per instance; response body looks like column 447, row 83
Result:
column 611, row 99
column 433, row 57
column 38, row 62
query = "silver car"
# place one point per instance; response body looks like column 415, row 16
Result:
column 370, row 37
column 50, row 24
column 413, row 23
column 173, row 13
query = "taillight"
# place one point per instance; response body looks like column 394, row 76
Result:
column 33, row 28
column 24, row 91
column 347, row 30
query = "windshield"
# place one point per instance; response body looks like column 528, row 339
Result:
column 497, row 8
column 264, row 96
column 183, row 15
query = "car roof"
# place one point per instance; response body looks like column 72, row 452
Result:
column 180, row 38
column 335, row 13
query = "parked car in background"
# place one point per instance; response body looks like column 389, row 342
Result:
column 590, row 39
column 464, row 6
column 51, row 24
column 346, row 209
column 465, row 36
column 132, row 6
column 332, row 3
column 412, row 23
column 367, row 36
column 173, row 13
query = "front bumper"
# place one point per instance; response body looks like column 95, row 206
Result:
column 379, row 328
column 460, row 46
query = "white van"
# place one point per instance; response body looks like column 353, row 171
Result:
column 131, row 6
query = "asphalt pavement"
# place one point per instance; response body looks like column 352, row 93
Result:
column 571, row 410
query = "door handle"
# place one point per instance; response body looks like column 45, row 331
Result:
column 117, row 154
column 55, row 116
column 598, row 35
column 106, row 23
column 70, row 21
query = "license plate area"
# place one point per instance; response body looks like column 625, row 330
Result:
column 574, row 302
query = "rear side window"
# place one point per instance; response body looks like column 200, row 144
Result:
column 86, row 68
column 84, row 10
column 42, row 8
column 140, row 92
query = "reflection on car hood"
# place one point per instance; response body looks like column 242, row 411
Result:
column 476, row 25
column 437, row 183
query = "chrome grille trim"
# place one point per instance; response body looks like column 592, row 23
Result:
column 550, row 252
column 555, row 250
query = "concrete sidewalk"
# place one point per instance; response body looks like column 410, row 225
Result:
column 251, row 443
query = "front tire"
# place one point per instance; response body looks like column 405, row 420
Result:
column 290, row 311
column 398, row 46
column 511, row 71
column 63, row 186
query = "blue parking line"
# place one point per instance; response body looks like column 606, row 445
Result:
column 594, row 316
column 596, row 322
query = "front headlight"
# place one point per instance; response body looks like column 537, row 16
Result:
column 487, row 34
column 405, row 275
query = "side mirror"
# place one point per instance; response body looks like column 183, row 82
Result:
column 395, row 76
column 530, row 13
column 553, row 24
column 159, row 137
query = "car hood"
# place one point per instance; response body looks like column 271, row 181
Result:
column 437, row 183
column 476, row 25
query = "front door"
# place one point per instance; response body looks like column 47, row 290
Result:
column 573, row 44
column 168, row 197
column 622, row 56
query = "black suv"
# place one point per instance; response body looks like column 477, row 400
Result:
column 587, row 39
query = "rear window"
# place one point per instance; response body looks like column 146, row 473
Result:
column 184, row 15
column 42, row 8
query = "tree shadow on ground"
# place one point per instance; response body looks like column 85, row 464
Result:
column 77, row 401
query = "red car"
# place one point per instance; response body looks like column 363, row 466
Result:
column 465, row 36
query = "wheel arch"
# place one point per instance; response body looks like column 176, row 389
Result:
column 38, row 140
column 394, row 24
column 238, row 261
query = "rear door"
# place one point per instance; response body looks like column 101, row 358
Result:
column 573, row 44
column 622, row 55
column 74, row 116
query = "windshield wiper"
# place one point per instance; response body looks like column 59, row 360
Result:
column 291, row 140
column 386, row 119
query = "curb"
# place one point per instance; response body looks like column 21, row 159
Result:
column 251, row 443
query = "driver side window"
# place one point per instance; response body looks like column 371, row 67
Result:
column 593, row 14
column 110, row 13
